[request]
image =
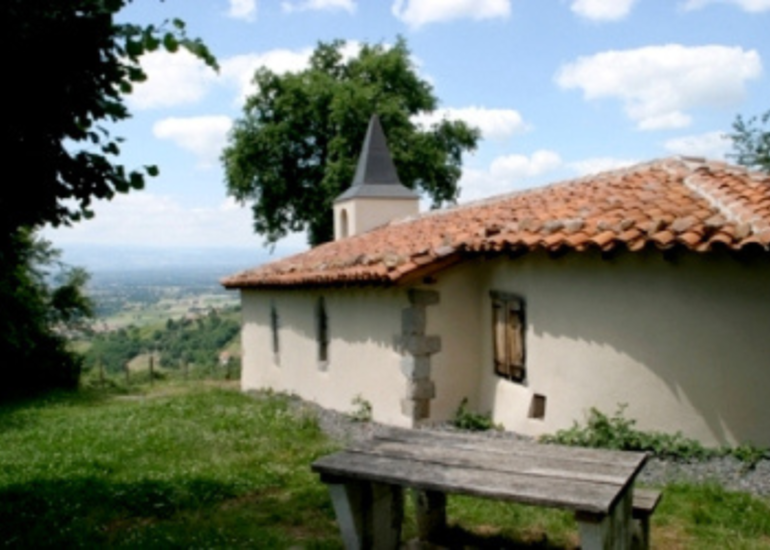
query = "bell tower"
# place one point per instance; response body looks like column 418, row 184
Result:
column 376, row 195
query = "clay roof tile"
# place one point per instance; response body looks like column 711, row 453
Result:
column 697, row 204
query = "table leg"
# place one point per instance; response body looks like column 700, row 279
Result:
column 430, row 507
column 608, row 532
column 369, row 514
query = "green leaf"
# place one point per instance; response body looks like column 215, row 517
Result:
column 136, row 180
column 170, row 42
column 152, row 170
column 134, row 48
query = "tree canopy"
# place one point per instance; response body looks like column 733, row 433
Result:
column 295, row 148
column 751, row 141
column 70, row 65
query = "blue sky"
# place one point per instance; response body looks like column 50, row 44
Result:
column 559, row 88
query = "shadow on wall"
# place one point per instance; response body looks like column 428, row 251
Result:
column 355, row 316
column 700, row 325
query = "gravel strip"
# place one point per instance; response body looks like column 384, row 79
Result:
column 725, row 471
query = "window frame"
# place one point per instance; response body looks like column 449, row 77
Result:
column 322, row 332
column 509, row 326
column 275, row 326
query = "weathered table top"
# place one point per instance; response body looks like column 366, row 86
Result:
column 583, row 480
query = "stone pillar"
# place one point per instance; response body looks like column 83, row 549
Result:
column 416, row 348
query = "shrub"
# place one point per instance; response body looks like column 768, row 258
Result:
column 362, row 411
column 472, row 421
column 619, row 432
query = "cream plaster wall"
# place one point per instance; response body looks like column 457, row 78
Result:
column 362, row 358
column 457, row 318
column 366, row 214
column 686, row 344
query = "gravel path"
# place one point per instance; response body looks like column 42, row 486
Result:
column 726, row 471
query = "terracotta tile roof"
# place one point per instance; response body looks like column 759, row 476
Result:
column 676, row 202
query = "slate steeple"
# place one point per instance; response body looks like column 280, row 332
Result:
column 376, row 194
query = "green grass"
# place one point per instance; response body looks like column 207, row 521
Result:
column 200, row 465
column 211, row 468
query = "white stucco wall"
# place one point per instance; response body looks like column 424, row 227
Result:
column 365, row 214
column 457, row 318
column 686, row 344
column 362, row 357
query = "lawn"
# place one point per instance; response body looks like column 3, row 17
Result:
column 203, row 466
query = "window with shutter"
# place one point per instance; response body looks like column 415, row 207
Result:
column 508, row 335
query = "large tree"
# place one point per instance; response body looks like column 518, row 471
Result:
column 751, row 141
column 70, row 65
column 296, row 146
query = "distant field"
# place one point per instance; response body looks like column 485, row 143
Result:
column 146, row 312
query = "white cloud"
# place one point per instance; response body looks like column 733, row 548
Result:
column 243, row 9
column 658, row 83
column 172, row 79
column 513, row 167
column 417, row 13
column 319, row 5
column 599, row 164
column 479, row 184
column 602, row 10
column 493, row 123
column 507, row 174
column 714, row 145
column 752, row 6
column 141, row 218
column 162, row 221
column 205, row 136
column 239, row 70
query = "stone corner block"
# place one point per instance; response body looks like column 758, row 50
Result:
column 416, row 409
column 413, row 320
column 421, row 389
column 423, row 297
column 423, row 345
column 415, row 368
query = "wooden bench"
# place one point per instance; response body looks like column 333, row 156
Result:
column 366, row 483
column 644, row 503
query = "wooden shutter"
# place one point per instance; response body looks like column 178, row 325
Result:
column 499, row 337
column 508, row 335
column 514, row 340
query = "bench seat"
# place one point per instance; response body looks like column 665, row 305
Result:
column 644, row 503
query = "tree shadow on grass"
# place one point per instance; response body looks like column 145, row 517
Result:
column 89, row 512
column 458, row 537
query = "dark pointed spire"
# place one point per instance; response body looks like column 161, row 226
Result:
column 376, row 175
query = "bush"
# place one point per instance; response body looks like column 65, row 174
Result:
column 618, row 432
column 362, row 411
column 472, row 421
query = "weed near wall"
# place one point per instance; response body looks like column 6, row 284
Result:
column 620, row 433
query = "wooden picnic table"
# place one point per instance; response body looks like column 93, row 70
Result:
column 366, row 483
